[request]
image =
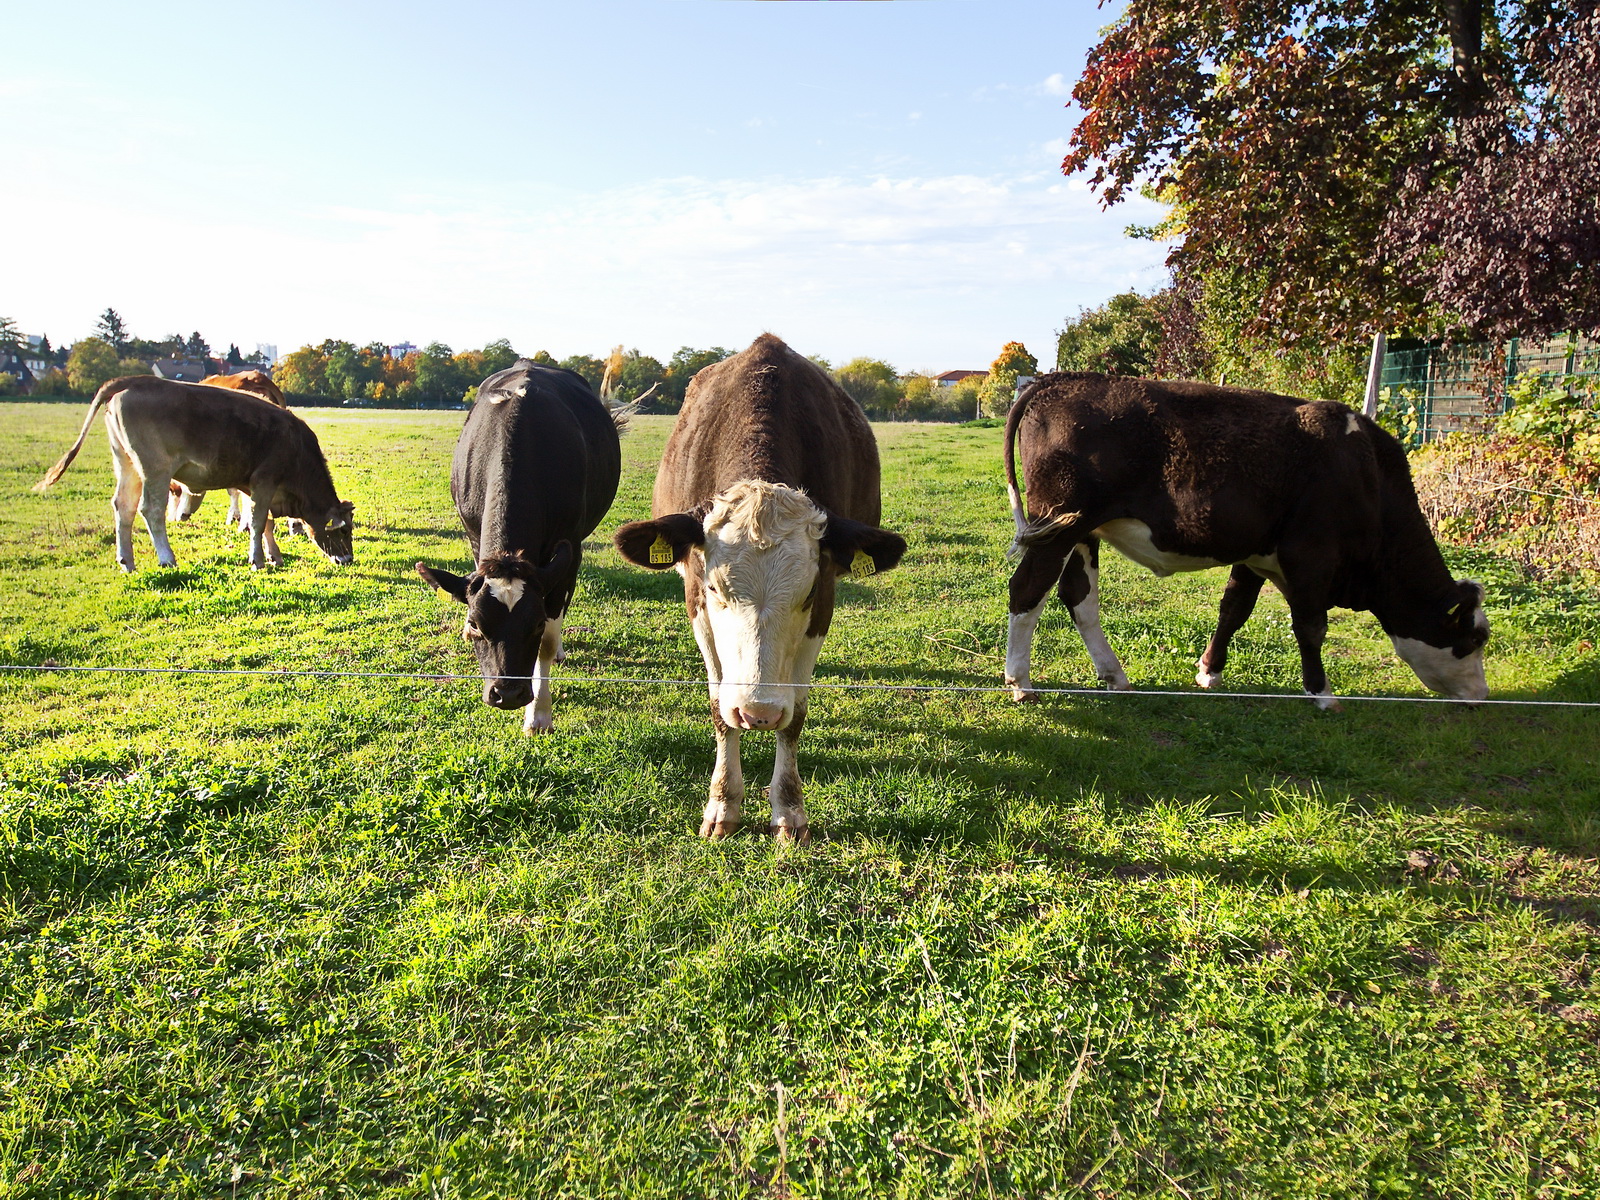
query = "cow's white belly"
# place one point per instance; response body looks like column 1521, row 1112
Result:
column 1132, row 538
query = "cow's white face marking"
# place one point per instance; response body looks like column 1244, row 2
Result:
column 762, row 549
column 1351, row 425
column 1441, row 670
column 507, row 591
column 1133, row 539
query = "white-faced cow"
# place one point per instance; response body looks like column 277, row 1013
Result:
column 1184, row 476
column 767, row 493
column 535, row 469
column 206, row 438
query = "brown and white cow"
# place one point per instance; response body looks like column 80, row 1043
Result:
column 1185, row 476
column 767, row 493
column 181, row 502
column 205, row 438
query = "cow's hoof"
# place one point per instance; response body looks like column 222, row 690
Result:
column 539, row 723
column 1327, row 703
column 789, row 834
column 1208, row 679
column 717, row 830
column 1117, row 685
column 127, row 567
column 168, row 566
column 1022, row 695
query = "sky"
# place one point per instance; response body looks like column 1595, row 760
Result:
column 861, row 178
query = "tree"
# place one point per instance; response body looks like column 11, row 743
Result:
column 498, row 356
column 637, row 374
column 112, row 330
column 1297, row 136
column 1121, row 337
column 999, row 389
column 235, row 360
column 592, row 369
column 91, row 363
column 303, row 373
column 438, row 378
column 684, row 365
column 197, row 347
column 11, row 336
column 871, row 383
column 133, row 366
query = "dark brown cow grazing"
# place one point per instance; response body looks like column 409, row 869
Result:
column 181, row 502
column 1184, row 476
column 767, row 493
column 207, row 438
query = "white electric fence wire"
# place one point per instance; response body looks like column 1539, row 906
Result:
column 431, row 677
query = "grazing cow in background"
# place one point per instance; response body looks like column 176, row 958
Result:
column 1184, row 476
column 181, row 502
column 205, row 438
column 535, row 469
column 767, row 493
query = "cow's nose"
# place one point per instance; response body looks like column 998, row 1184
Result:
column 758, row 716
column 507, row 693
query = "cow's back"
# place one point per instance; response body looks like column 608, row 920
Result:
column 769, row 413
column 221, row 436
column 1220, row 472
column 535, row 463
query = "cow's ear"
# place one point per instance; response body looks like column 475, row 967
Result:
column 659, row 544
column 860, row 550
column 1468, row 599
column 560, row 562
column 452, row 585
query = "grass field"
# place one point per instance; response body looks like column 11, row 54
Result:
column 281, row 937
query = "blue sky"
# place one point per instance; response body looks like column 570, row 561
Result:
column 861, row 178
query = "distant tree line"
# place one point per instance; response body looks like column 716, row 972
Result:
column 341, row 372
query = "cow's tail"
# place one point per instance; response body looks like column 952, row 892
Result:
column 101, row 398
column 1019, row 514
column 622, row 414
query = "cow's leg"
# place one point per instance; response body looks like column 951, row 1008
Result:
column 1080, row 592
column 789, row 822
column 1310, row 624
column 269, row 541
column 538, row 717
column 725, row 806
column 124, row 503
column 258, row 536
column 1238, row 602
column 235, row 510
column 153, row 508
column 1030, row 588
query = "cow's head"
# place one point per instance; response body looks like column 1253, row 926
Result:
column 759, row 565
column 1446, row 649
column 505, row 599
column 332, row 531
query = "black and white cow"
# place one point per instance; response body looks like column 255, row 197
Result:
column 767, row 494
column 1185, row 476
column 535, row 469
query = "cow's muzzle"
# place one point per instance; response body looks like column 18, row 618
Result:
column 758, row 716
column 508, row 693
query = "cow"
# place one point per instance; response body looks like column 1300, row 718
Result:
column 181, row 502
column 766, row 495
column 535, row 470
column 205, row 438
column 1185, row 476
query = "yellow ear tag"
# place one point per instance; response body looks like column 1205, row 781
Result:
column 661, row 551
column 862, row 565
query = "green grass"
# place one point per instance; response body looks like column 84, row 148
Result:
column 269, row 937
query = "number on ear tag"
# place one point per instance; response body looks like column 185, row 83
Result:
column 862, row 565
column 661, row 551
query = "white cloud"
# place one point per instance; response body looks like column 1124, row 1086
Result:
column 1055, row 85
column 926, row 270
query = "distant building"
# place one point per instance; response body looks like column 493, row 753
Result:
column 266, row 352
column 16, row 366
column 951, row 378
column 185, row 369
column 401, row 350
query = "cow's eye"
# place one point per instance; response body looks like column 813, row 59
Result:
column 471, row 631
